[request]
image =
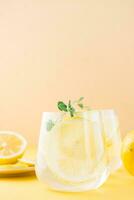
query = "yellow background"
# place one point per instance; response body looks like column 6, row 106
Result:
column 56, row 50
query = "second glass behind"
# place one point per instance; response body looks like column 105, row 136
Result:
column 71, row 152
column 112, row 138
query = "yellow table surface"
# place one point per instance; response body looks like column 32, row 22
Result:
column 119, row 186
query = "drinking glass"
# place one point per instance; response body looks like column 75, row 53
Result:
column 112, row 138
column 71, row 152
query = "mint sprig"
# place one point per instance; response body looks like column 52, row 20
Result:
column 71, row 107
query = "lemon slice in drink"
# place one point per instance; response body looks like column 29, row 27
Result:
column 66, row 150
column 12, row 147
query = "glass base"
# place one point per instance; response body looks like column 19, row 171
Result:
column 53, row 182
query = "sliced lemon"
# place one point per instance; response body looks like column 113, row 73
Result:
column 12, row 147
column 128, row 152
column 16, row 169
column 12, row 167
column 71, row 151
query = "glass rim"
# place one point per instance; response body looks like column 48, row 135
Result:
column 85, row 111
column 95, row 112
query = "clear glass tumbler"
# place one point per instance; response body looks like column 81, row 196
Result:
column 112, row 139
column 71, row 152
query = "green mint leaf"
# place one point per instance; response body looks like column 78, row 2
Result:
column 80, row 99
column 80, row 105
column 50, row 125
column 62, row 106
column 71, row 109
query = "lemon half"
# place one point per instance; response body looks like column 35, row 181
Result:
column 128, row 152
column 12, row 146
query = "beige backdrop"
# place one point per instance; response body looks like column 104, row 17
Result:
column 56, row 50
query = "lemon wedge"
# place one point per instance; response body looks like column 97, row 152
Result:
column 128, row 152
column 12, row 147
